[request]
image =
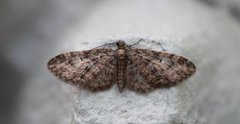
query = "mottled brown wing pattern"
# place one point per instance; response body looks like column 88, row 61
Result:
column 135, row 79
column 139, row 69
column 158, row 69
column 93, row 69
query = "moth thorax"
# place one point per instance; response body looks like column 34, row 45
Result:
column 121, row 53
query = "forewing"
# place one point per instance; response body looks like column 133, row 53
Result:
column 94, row 69
column 135, row 79
column 161, row 69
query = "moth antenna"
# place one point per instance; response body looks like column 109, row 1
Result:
column 136, row 42
column 106, row 44
column 158, row 43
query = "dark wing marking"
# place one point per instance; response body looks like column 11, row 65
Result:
column 93, row 69
column 160, row 69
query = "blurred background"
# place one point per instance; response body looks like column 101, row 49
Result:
column 31, row 30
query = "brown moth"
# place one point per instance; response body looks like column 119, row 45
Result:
column 137, row 69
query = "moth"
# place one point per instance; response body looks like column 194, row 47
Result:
column 137, row 69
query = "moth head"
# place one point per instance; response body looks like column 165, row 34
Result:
column 120, row 44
